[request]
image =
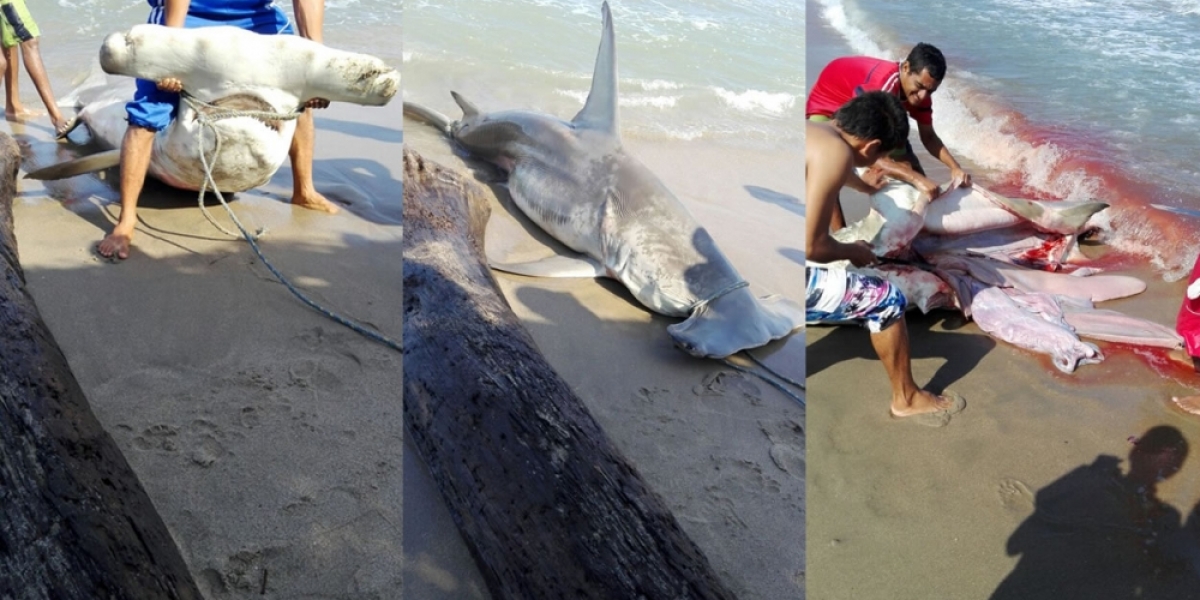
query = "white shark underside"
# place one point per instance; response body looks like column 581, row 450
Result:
column 226, row 68
column 575, row 180
column 967, row 250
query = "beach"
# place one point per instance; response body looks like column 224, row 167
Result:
column 725, row 451
column 268, row 437
column 897, row 511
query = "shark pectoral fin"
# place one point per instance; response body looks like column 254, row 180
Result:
column 78, row 166
column 1018, row 206
column 554, row 266
column 600, row 110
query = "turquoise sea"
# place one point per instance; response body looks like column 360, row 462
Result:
column 1054, row 99
column 724, row 71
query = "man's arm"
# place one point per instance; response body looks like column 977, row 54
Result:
column 824, row 177
column 176, row 12
column 310, row 21
column 933, row 143
column 310, row 18
column 903, row 171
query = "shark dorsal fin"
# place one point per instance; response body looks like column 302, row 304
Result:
column 468, row 109
column 600, row 110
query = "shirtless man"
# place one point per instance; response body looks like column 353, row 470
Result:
column 863, row 130
column 913, row 81
column 154, row 105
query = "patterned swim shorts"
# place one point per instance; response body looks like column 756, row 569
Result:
column 835, row 295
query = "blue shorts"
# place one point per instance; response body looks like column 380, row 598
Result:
column 153, row 108
column 873, row 301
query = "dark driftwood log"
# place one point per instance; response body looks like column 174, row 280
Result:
column 548, row 507
column 75, row 522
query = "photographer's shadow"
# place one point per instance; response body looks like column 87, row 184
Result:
column 1097, row 533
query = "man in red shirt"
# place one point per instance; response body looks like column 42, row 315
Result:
column 913, row 81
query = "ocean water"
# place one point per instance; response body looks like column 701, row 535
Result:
column 1063, row 99
column 722, row 71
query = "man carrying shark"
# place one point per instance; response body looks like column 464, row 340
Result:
column 913, row 82
column 155, row 104
column 862, row 131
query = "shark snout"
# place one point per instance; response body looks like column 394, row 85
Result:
column 115, row 53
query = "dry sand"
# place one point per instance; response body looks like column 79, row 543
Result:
column 268, row 436
column 725, row 451
column 903, row 512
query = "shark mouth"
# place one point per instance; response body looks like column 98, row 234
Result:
column 253, row 106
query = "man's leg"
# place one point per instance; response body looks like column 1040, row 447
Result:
column 880, row 305
column 12, row 76
column 891, row 344
column 37, row 72
column 304, row 193
column 151, row 110
column 135, row 162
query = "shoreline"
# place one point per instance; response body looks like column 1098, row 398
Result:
column 882, row 491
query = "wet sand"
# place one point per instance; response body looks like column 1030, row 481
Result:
column 268, row 437
column 898, row 511
column 725, row 451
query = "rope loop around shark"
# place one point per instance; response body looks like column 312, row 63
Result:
column 576, row 182
column 226, row 69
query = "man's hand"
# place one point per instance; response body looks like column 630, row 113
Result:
column 959, row 178
column 170, row 84
column 860, row 254
column 928, row 187
column 874, row 177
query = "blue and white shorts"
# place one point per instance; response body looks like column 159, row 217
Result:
column 836, row 295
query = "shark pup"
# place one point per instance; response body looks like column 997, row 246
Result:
column 287, row 70
column 576, row 181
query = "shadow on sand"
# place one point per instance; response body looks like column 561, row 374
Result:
column 1097, row 533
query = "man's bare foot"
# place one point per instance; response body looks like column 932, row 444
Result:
column 1188, row 403
column 20, row 113
column 116, row 245
column 315, row 201
column 929, row 409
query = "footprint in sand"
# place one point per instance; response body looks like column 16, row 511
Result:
column 243, row 573
column 787, row 445
column 726, row 383
column 789, row 459
column 158, row 437
column 206, row 450
column 249, row 417
column 1015, row 495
